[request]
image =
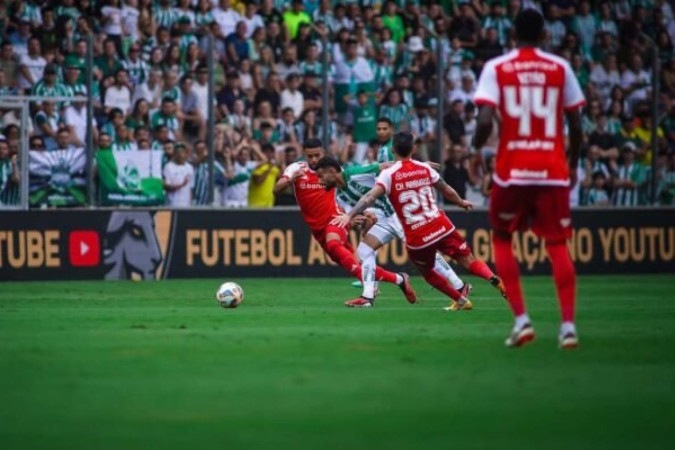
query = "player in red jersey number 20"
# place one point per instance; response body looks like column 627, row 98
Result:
column 410, row 186
column 318, row 207
column 531, row 89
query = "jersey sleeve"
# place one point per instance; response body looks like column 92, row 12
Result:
column 435, row 176
column 384, row 180
column 487, row 91
column 573, row 96
column 290, row 170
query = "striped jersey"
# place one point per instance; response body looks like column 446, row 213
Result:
column 385, row 153
column 396, row 114
column 359, row 180
column 9, row 190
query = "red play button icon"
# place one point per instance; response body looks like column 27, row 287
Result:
column 84, row 248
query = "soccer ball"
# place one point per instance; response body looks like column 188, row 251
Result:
column 230, row 295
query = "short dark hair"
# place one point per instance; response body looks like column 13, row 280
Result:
column 529, row 25
column 312, row 143
column 403, row 143
column 327, row 162
column 385, row 120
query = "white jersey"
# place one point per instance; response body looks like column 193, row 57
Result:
column 237, row 187
column 175, row 174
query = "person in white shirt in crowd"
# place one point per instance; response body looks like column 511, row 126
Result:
column 226, row 17
column 111, row 19
column 130, row 16
column 179, row 177
column 465, row 91
column 635, row 81
column 252, row 18
column 189, row 108
column 238, row 170
column 75, row 118
column 119, row 94
column 200, row 88
column 150, row 90
column 31, row 65
column 605, row 76
column 63, row 140
column 291, row 97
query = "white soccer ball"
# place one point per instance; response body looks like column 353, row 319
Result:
column 230, row 295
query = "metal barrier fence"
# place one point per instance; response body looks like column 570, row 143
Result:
column 131, row 183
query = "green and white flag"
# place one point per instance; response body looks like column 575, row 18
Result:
column 58, row 178
column 130, row 178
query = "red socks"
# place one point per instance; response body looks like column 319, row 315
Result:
column 344, row 258
column 441, row 283
column 564, row 277
column 479, row 268
column 385, row 275
column 508, row 270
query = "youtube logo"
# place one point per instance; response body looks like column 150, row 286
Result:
column 84, row 248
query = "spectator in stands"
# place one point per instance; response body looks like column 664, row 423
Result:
column 119, row 94
column 167, row 116
column 189, row 111
column 456, row 172
column 291, row 97
column 179, row 178
column 629, row 179
column 238, row 169
column 10, row 176
column 263, row 179
column 31, row 66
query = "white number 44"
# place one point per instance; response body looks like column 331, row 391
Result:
column 526, row 102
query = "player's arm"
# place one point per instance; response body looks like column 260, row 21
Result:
column 288, row 178
column 451, row 195
column 576, row 137
column 364, row 203
column 484, row 123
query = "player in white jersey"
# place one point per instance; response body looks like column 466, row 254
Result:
column 352, row 183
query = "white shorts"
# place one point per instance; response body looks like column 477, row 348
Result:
column 387, row 228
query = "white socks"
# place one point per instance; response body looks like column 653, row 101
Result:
column 446, row 272
column 368, row 262
column 567, row 328
column 521, row 321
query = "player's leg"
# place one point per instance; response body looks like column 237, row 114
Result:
column 424, row 260
column 444, row 268
column 506, row 215
column 367, row 251
column 456, row 247
column 552, row 222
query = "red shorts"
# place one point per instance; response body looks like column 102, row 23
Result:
column 320, row 235
column 546, row 209
column 452, row 245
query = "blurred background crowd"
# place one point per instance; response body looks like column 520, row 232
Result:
column 151, row 75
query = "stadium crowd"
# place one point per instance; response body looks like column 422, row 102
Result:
column 151, row 76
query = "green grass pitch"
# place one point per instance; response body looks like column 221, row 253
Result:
column 104, row 365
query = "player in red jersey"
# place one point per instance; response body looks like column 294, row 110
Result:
column 531, row 89
column 409, row 185
column 318, row 207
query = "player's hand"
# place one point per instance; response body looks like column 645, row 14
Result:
column 466, row 205
column 434, row 165
column 341, row 221
column 369, row 219
column 298, row 173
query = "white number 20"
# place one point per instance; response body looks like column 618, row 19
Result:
column 418, row 205
column 532, row 104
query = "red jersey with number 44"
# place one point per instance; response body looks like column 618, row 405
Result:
column 531, row 89
column 410, row 187
column 317, row 205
